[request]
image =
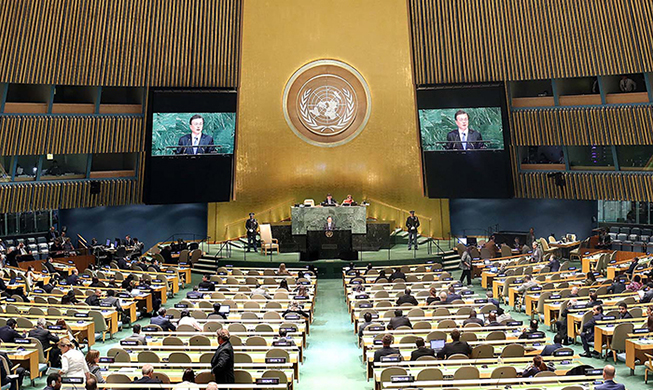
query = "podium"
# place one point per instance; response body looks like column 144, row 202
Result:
column 328, row 244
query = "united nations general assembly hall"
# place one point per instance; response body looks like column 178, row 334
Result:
column 343, row 194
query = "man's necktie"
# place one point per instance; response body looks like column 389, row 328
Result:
column 195, row 143
column 464, row 141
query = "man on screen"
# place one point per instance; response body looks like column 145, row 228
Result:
column 463, row 137
column 196, row 142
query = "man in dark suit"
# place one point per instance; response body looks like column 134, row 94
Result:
column 554, row 264
column 206, row 283
column 407, row 298
column 532, row 329
column 648, row 295
column 463, row 138
column 196, row 142
column 399, row 320
column 73, row 278
column 52, row 234
column 623, row 311
column 473, row 319
column 549, row 349
column 632, row 266
column 587, row 333
column 386, row 350
column 163, row 321
column 8, row 333
column 412, row 223
column 455, row 346
column 492, row 320
column 608, row 376
column 222, row 363
column 397, row 275
column 148, row 375
column 453, row 295
column 12, row 257
column 329, row 225
column 252, row 226
column 617, row 287
column 329, row 201
column 421, row 350
column 49, row 266
column 128, row 241
column 122, row 263
column 43, row 335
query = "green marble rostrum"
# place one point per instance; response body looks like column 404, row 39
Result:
column 352, row 218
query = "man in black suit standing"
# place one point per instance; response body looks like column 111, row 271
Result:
column 329, row 225
column 196, row 142
column 222, row 363
column 52, row 234
column 463, row 138
column 252, row 226
column 412, row 223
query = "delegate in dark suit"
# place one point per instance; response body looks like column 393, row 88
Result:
column 385, row 351
column 330, row 226
column 454, row 141
column 163, row 322
column 9, row 334
column 222, row 364
column 549, row 349
column 204, row 146
column 44, row 336
column 454, row 348
column 407, row 298
column 398, row 321
column 610, row 385
column 147, row 379
column 419, row 352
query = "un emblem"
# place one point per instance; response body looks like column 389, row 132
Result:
column 326, row 103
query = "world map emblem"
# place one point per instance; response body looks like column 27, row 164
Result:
column 327, row 103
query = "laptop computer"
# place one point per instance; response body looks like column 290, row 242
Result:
column 437, row 345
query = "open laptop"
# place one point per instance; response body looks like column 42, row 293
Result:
column 437, row 345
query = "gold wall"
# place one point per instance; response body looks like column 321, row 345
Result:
column 274, row 168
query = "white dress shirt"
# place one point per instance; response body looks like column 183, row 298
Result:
column 189, row 320
column 463, row 138
column 196, row 141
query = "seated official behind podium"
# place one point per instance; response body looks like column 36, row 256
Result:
column 463, row 137
column 329, row 201
column 349, row 201
column 196, row 142
column 329, row 225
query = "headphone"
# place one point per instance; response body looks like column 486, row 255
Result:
column 53, row 383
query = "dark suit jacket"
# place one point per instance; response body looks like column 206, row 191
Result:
column 588, row 327
column 397, row 275
column 453, row 297
column 473, row 320
column 50, row 267
column 72, row 279
column 407, row 299
column 627, row 315
column 202, row 148
column 9, row 335
column 333, row 226
column 617, row 288
column 44, row 336
column 396, row 322
column 163, row 322
column 208, row 285
column 454, row 348
column 549, row 349
column 222, row 364
column 251, row 224
column 610, row 385
column 472, row 135
column 554, row 265
column 647, row 296
column 147, row 379
column 385, row 351
column 122, row 263
column 419, row 352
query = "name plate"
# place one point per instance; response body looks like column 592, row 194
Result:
column 641, row 330
column 81, row 315
column 124, row 295
column 356, row 281
column 480, row 300
column 536, row 288
column 289, row 329
column 556, row 296
column 594, row 371
column 515, row 323
column 292, row 316
column 181, row 305
column 267, row 381
column 402, row 378
column 55, row 327
column 107, row 359
column 72, row 380
column 128, row 342
column 375, row 328
column 390, row 359
column 563, row 353
column 378, row 342
column 275, row 360
column 281, row 343
column 365, row 305
column 22, row 341
column 467, row 292
column 300, row 297
column 362, row 296
column 608, row 318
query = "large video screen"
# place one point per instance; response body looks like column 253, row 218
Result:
column 458, row 129
column 191, row 144
column 193, row 133
column 464, row 132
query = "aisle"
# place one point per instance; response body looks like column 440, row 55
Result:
column 332, row 359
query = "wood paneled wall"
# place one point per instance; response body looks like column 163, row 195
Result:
column 610, row 125
column 40, row 134
column 498, row 40
column 71, row 194
column 586, row 186
column 192, row 43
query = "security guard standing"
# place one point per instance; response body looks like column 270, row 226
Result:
column 252, row 226
column 412, row 223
